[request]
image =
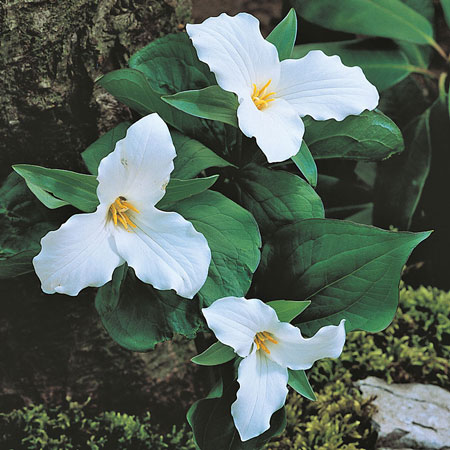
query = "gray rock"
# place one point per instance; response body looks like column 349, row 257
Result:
column 409, row 416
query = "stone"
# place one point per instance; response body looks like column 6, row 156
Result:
column 410, row 416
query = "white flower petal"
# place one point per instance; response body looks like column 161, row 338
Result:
column 299, row 353
column 236, row 320
column 278, row 128
column 262, row 391
column 79, row 254
column 140, row 165
column 322, row 87
column 165, row 251
column 236, row 52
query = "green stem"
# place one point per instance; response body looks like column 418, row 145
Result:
column 439, row 49
column 426, row 72
column 442, row 93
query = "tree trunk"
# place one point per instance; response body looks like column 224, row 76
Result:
column 51, row 51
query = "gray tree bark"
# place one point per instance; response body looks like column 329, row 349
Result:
column 51, row 51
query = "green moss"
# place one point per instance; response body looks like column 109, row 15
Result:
column 70, row 427
column 414, row 348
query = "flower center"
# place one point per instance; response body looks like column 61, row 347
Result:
column 119, row 210
column 260, row 98
column 260, row 338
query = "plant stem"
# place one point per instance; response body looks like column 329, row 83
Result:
column 439, row 49
column 442, row 78
column 426, row 72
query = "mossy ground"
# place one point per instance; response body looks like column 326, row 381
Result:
column 415, row 348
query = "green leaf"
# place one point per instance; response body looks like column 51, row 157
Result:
column 284, row 34
column 17, row 264
column 171, row 65
column 103, row 146
column 386, row 18
column 193, row 157
column 347, row 270
column 213, row 427
column 383, row 63
column 419, row 55
column 216, row 354
column 44, row 197
column 137, row 316
column 23, row 221
column 371, row 136
column 233, row 238
column 446, row 8
column 288, row 310
column 180, row 189
column 277, row 198
column 306, row 164
column 132, row 88
column 400, row 180
column 209, row 103
column 299, row 382
column 75, row 188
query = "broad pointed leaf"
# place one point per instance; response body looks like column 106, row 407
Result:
column 217, row 354
column 233, row 238
column 276, row 198
column 446, row 7
column 386, row 18
column 371, row 136
column 78, row 189
column 180, row 189
column 209, row 103
column 23, row 222
column 306, row 164
column 171, row 65
column 137, row 316
column 193, row 157
column 400, row 180
column 284, row 34
column 299, row 382
column 103, row 146
column 347, row 270
column 288, row 310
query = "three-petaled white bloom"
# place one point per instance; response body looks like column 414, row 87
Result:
column 273, row 95
column 163, row 248
column 269, row 348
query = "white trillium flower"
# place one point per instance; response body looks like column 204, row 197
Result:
column 163, row 248
column 269, row 348
column 273, row 95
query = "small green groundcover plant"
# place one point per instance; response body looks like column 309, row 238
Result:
column 203, row 215
column 412, row 349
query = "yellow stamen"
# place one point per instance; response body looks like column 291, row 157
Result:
column 265, row 86
column 259, row 339
column 119, row 209
column 122, row 221
column 130, row 206
column 129, row 222
column 259, row 96
column 269, row 337
column 114, row 214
